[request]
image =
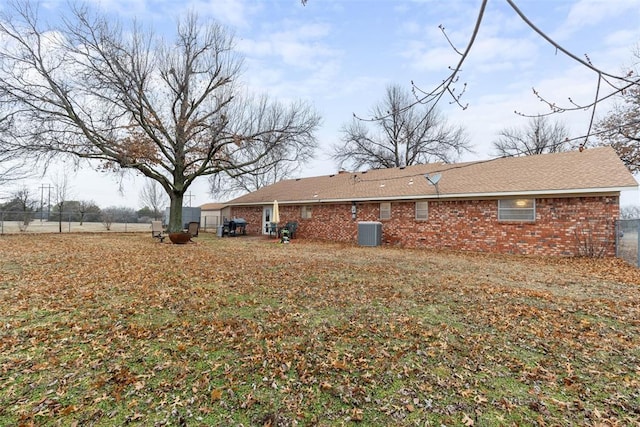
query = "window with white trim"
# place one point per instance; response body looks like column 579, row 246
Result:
column 306, row 212
column 517, row 210
column 422, row 210
column 385, row 210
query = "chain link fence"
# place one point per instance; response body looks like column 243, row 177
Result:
column 627, row 230
column 69, row 222
column 627, row 240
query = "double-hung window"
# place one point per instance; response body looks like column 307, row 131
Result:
column 385, row 210
column 306, row 212
column 422, row 210
column 516, row 210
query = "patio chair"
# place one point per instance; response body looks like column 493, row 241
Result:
column 292, row 226
column 157, row 232
column 193, row 228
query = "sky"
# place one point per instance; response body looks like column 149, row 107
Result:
column 340, row 55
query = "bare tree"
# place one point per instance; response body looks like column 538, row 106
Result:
column 23, row 204
column 539, row 136
column 153, row 197
column 630, row 212
column 276, row 166
column 620, row 128
column 12, row 169
column 12, row 166
column 126, row 98
column 9, row 168
column 81, row 210
column 399, row 136
column 108, row 216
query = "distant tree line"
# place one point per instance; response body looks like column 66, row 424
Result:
column 24, row 209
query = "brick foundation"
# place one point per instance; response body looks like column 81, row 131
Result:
column 563, row 226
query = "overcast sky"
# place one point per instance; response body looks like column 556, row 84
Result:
column 341, row 54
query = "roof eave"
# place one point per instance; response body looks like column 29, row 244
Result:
column 568, row 192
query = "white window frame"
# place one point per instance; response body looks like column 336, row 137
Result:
column 422, row 211
column 519, row 210
column 385, row 210
column 306, row 212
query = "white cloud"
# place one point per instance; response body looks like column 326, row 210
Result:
column 495, row 50
column 487, row 55
column 590, row 13
column 421, row 57
column 234, row 13
column 299, row 46
column 291, row 60
column 623, row 37
column 121, row 7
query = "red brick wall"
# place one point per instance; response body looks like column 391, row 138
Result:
column 252, row 214
column 563, row 226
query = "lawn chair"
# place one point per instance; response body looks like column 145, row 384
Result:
column 193, row 228
column 157, row 232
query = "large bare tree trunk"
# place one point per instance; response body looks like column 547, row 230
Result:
column 175, row 213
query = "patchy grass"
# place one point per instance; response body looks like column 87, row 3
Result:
column 118, row 329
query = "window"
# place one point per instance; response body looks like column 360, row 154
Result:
column 306, row 212
column 385, row 210
column 422, row 210
column 517, row 210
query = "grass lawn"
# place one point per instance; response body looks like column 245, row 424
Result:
column 114, row 329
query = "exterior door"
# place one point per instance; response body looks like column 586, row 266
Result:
column 267, row 214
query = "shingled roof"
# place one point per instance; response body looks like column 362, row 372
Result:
column 594, row 170
column 212, row 206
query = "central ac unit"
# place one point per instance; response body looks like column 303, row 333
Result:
column 369, row 233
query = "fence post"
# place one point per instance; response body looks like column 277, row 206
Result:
column 638, row 247
column 618, row 227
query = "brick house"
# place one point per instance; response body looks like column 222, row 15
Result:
column 551, row 204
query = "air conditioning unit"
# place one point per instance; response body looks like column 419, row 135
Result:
column 369, row 233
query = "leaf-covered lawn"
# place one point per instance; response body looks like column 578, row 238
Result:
column 119, row 329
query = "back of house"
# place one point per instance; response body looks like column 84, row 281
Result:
column 549, row 204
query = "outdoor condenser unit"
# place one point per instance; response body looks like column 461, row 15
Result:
column 369, row 233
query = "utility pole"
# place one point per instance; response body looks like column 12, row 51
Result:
column 42, row 188
column 189, row 196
